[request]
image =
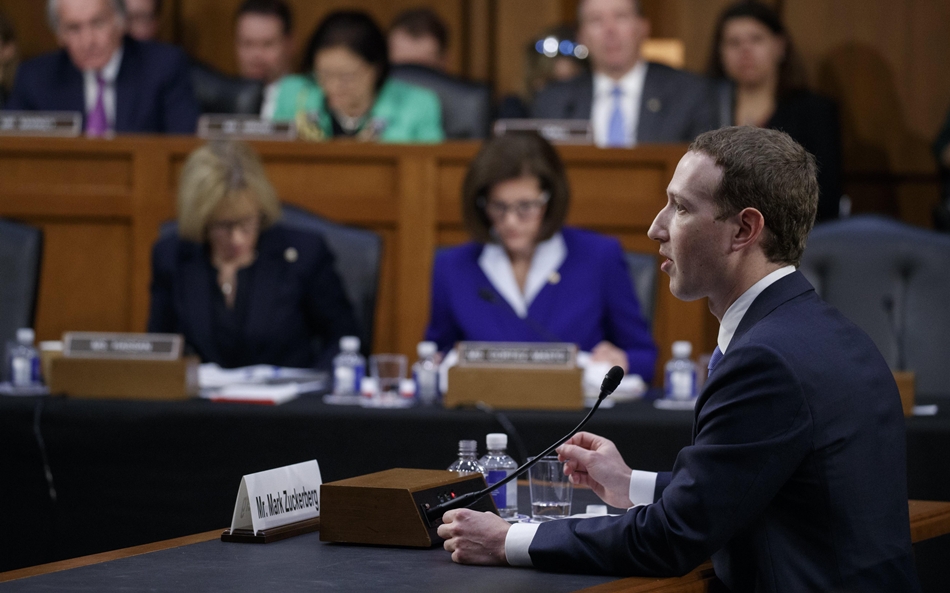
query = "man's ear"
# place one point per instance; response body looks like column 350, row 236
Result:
column 750, row 229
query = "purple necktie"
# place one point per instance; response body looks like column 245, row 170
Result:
column 714, row 359
column 96, row 123
column 616, row 130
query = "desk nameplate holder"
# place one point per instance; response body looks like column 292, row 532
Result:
column 513, row 375
column 387, row 508
column 276, row 504
column 244, row 127
column 556, row 131
column 57, row 124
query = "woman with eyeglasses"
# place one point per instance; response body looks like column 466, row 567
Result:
column 242, row 288
column 527, row 278
column 345, row 90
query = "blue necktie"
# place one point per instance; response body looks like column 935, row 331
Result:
column 714, row 359
column 616, row 132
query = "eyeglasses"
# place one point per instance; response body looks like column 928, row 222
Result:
column 225, row 228
column 523, row 209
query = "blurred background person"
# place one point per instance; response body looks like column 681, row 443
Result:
column 526, row 277
column 143, row 18
column 941, row 148
column 627, row 99
column 263, row 43
column 555, row 56
column 240, row 288
column 753, row 51
column 345, row 91
column 8, row 58
column 418, row 36
column 118, row 83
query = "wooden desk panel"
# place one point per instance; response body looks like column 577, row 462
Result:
column 101, row 204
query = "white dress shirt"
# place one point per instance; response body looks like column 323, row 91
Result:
column 631, row 84
column 109, row 73
column 548, row 257
column 643, row 484
column 269, row 105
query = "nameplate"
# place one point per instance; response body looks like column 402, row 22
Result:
column 122, row 345
column 41, row 123
column 278, row 497
column 557, row 131
column 550, row 355
column 244, row 127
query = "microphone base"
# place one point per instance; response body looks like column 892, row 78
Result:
column 388, row 508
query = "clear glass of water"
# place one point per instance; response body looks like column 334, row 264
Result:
column 388, row 369
column 551, row 490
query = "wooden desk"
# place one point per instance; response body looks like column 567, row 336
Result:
column 928, row 519
column 100, row 204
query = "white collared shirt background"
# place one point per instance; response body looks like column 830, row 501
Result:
column 603, row 103
column 91, row 88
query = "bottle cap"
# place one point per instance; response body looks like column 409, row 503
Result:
column 426, row 349
column 25, row 335
column 468, row 446
column 349, row 343
column 496, row 440
column 682, row 349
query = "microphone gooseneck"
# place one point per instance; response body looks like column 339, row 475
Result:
column 611, row 381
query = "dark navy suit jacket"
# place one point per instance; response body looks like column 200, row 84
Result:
column 795, row 480
column 592, row 301
column 676, row 106
column 152, row 89
column 293, row 298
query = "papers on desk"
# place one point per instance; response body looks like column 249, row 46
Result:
column 258, row 384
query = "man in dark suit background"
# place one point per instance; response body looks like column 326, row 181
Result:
column 119, row 84
column 627, row 99
column 795, row 479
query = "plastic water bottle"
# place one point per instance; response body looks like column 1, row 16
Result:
column 24, row 360
column 349, row 367
column 426, row 374
column 680, row 381
column 467, row 463
column 498, row 466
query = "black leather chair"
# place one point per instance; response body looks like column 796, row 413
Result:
column 358, row 254
column 21, row 256
column 219, row 93
column 893, row 281
column 466, row 106
column 643, row 271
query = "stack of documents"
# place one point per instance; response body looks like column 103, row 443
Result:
column 258, row 384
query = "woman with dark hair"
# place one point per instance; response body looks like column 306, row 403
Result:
column 753, row 51
column 8, row 58
column 345, row 90
column 526, row 277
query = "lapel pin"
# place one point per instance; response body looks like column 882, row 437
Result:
column 554, row 278
column 654, row 105
column 291, row 255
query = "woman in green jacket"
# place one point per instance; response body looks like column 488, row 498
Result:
column 349, row 93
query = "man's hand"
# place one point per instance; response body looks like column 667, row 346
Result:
column 595, row 462
column 474, row 537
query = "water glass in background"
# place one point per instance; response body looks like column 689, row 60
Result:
column 388, row 369
column 551, row 490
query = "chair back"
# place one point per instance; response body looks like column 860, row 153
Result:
column 643, row 270
column 21, row 256
column 466, row 106
column 893, row 281
column 220, row 93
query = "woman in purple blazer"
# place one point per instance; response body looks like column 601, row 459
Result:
column 525, row 277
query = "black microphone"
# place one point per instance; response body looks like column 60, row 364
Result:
column 488, row 296
column 610, row 383
column 895, row 320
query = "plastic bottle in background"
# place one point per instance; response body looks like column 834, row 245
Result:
column 426, row 374
column 23, row 359
column 498, row 466
column 680, row 381
column 467, row 463
column 349, row 367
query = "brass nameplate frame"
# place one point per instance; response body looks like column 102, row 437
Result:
column 525, row 355
column 125, row 346
column 244, row 127
column 60, row 124
column 557, row 131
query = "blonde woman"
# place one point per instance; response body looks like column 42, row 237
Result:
column 242, row 288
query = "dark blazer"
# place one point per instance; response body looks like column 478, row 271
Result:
column 795, row 480
column 152, row 89
column 293, row 298
column 676, row 106
column 592, row 300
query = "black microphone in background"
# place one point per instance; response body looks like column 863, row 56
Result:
column 611, row 381
column 488, row 296
column 896, row 321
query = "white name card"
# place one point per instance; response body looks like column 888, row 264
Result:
column 122, row 345
column 41, row 123
column 557, row 131
column 540, row 355
column 278, row 497
column 244, row 127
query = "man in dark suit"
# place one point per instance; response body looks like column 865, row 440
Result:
column 119, row 84
column 627, row 99
column 795, row 479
